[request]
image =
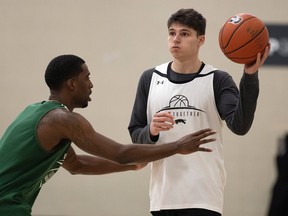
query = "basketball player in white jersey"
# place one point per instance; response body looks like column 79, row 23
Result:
column 185, row 95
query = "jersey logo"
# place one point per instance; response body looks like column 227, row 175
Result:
column 160, row 82
column 180, row 108
column 178, row 121
column 52, row 171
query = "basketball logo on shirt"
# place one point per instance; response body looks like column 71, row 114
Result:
column 180, row 109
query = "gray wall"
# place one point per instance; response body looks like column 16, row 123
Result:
column 118, row 40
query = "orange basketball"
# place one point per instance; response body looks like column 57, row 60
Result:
column 242, row 37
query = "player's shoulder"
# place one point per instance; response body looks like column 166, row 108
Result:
column 222, row 78
column 58, row 116
column 61, row 111
column 221, row 74
column 147, row 75
column 148, row 72
column 162, row 68
column 218, row 73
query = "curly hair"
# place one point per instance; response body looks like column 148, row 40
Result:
column 62, row 68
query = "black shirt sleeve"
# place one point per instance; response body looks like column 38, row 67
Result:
column 236, row 107
column 138, row 127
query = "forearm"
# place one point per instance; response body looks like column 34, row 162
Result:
column 144, row 153
column 241, row 120
column 131, row 153
column 185, row 145
column 90, row 165
column 249, row 91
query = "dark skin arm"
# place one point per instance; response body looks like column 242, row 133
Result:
column 92, row 165
column 61, row 124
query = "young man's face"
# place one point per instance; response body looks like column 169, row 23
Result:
column 83, row 86
column 183, row 41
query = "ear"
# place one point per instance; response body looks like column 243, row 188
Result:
column 201, row 40
column 71, row 84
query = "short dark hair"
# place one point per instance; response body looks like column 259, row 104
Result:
column 62, row 68
column 190, row 18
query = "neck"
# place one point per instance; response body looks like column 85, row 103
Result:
column 54, row 98
column 186, row 67
column 58, row 99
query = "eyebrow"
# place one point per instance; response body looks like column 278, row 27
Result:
column 181, row 30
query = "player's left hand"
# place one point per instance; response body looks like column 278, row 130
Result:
column 253, row 68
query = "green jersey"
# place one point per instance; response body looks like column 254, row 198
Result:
column 24, row 165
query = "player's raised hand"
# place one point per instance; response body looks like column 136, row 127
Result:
column 253, row 68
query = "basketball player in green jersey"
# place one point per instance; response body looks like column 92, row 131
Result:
column 193, row 95
column 38, row 141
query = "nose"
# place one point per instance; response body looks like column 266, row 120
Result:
column 176, row 38
column 91, row 85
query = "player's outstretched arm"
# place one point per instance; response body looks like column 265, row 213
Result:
column 92, row 165
column 62, row 124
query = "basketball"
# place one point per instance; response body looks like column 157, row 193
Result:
column 242, row 37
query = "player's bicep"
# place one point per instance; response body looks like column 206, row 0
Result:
column 77, row 129
column 49, row 129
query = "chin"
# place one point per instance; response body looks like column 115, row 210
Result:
column 85, row 105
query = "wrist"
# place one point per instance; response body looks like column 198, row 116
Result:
column 154, row 138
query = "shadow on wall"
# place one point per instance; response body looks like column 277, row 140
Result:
column 279, row 199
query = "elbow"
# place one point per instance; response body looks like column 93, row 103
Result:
column 123, row 160
column 242, row 131
column 73, row 173
column 73, row 170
